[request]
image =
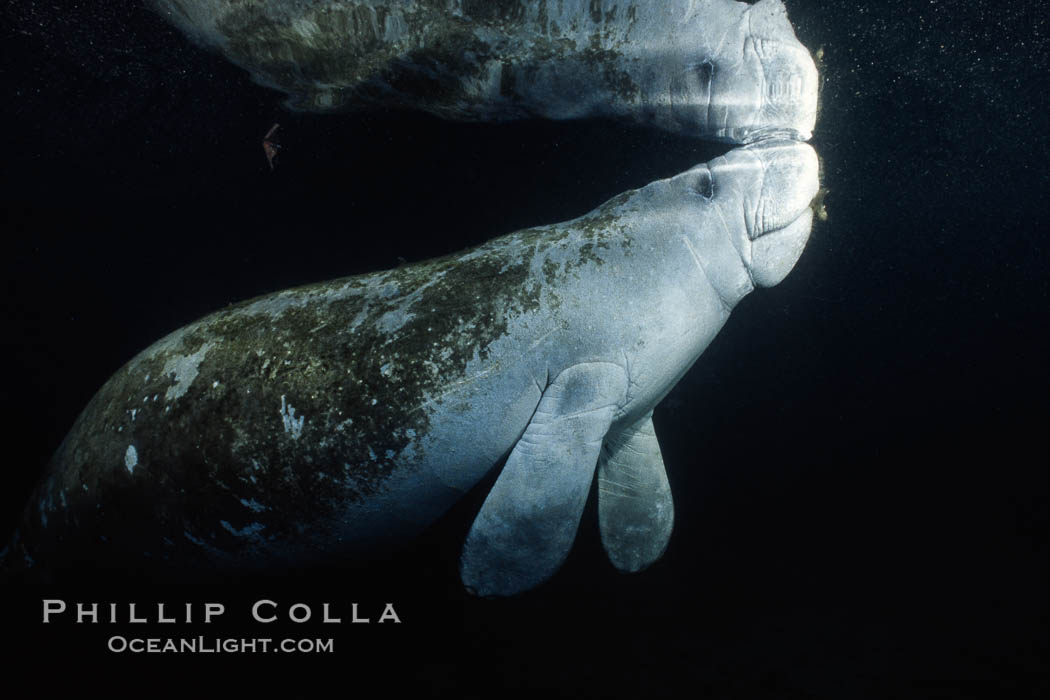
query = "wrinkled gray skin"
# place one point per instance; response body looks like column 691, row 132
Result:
column 314, row 423
column 713, row 68
column 311, row 422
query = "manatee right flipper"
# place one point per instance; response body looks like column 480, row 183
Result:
column 635, row 509
column 529, row 520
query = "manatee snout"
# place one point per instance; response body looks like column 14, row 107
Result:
column 785, row 72
column 778, row 180
column 784, row 218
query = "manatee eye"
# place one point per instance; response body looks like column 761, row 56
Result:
column 698, row 77
column 705, row 71
column 704, row 183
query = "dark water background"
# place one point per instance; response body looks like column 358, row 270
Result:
column 859, row 461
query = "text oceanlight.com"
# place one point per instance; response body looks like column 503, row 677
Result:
column 218, row 645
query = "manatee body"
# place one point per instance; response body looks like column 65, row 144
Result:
column 712, row 68
column 310, row 424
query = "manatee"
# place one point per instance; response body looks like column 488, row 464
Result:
column 314, row 424
column 716, row 69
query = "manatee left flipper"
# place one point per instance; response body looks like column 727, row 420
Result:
column 529, row 520
column 635, row 509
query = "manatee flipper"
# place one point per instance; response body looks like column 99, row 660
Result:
column 635, row 509
column 528, row 522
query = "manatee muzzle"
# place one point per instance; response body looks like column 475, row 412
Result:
column 777, row 215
